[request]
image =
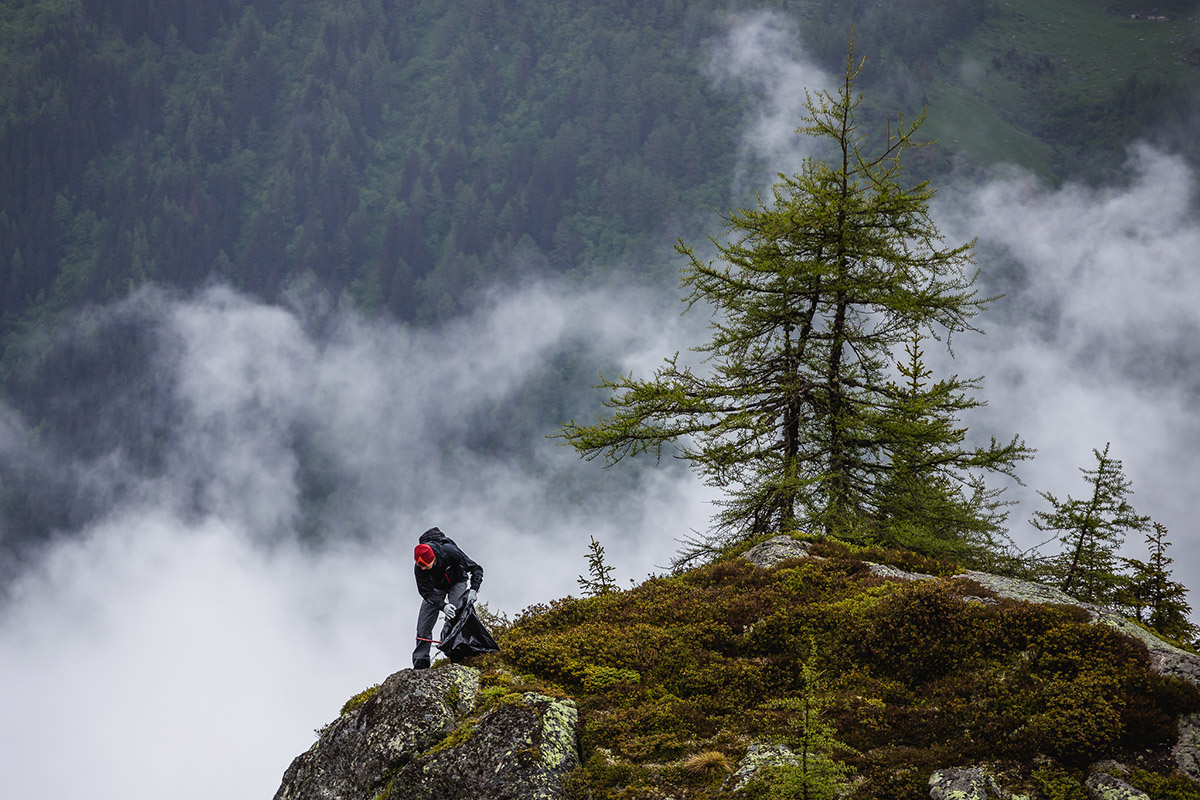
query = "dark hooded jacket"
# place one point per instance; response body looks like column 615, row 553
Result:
column 452, row 566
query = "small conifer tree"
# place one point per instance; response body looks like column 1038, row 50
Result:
column 599, row 580
column 1090, row 531
column 929, row 500
column 815, row 775
column 1154, row 598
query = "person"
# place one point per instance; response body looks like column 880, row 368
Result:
column 447, row 580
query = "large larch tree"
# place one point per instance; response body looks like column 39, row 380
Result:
column 813, row 296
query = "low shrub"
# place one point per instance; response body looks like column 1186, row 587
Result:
column 918, row 676
column 919, row 633
column 1056, row 783
column 1175, row 786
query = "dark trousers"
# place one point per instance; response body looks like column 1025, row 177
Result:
column 457, row 596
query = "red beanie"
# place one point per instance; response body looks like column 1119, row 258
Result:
column 424, row 555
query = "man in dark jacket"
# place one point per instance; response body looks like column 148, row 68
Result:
column 448, row 581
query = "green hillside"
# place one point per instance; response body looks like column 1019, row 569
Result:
column 882, row 681
column 1062, row 87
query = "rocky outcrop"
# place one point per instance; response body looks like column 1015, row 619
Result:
column 975, row 783
column 771, row 552
column 1102, row 786
column 519, row 751
column 422, row 734
column 760, row 755
column 967, row 783
column 1187, row 749
column 409, row 713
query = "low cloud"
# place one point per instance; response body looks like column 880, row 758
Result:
column 760, row 57
column 198, row 613
column 1095, row 339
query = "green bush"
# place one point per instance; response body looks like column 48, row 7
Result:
column 920, row 633
column 1175, row 786
column 600, row 678
column 1077, row 721
column 1058, row 784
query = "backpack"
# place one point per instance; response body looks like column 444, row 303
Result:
column 435, row 535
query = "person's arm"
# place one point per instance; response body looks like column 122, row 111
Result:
column 476, row 573
column 468, row 566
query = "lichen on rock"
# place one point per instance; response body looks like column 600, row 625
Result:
column 560, row 721
column 1187, row 749
column 356, row 752
column 516, row 751
column 772, row 551
column 965, row 783
column 759, row 756
column 1102, row 786
column 423, row 735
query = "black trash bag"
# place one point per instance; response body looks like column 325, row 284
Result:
column 467, row 637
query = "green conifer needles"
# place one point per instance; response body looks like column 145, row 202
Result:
column 1153, row 596
column 1091, row 530
column 801, row 416
column 599, row 580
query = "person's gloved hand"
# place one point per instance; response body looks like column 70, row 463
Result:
column 471, row 596
column 449, row 611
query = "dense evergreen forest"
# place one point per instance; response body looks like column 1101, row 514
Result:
column 405, row 153
column 401, row 152
column 403, row 156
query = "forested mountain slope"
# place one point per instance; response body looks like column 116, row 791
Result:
column 407, row 153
